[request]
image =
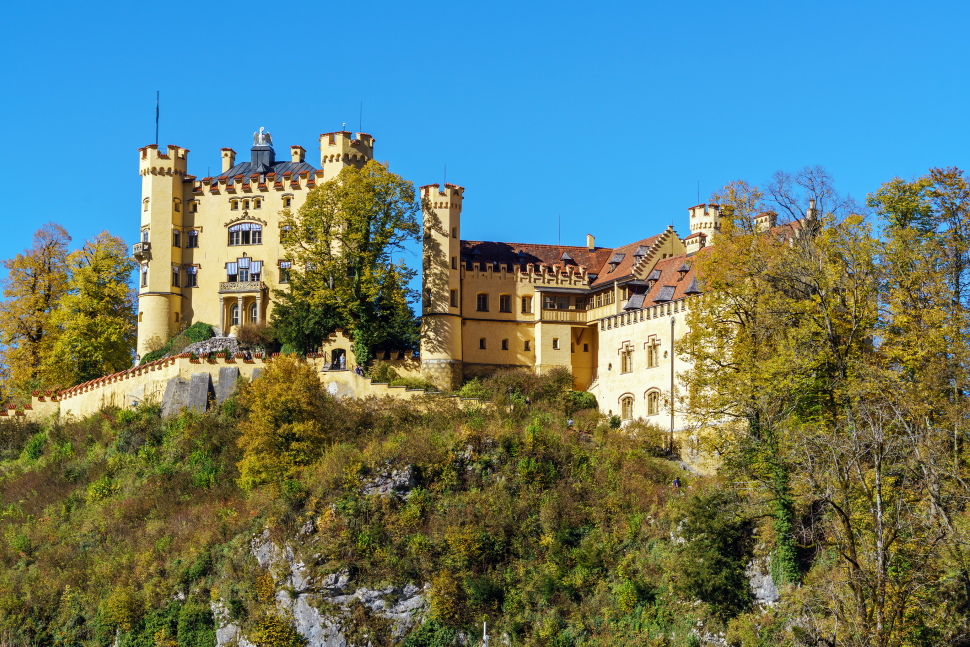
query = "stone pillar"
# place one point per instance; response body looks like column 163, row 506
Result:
column 239, row 310
column 259, row 308
column 222, row 315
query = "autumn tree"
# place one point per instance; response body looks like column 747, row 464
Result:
column 285, row 429
column 341, row 242
column 95, row 317
column 36, row 280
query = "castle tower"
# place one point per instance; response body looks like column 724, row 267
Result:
column 441, row 354
column 706, row 219
column 339, row 149
column 157, row 252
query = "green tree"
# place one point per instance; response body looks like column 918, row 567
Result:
column 95, row 317
column 286, row 426
column 341, row 241
column 35, row 282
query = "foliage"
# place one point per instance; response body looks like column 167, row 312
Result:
column 95, row 317
column 341, row 242
column 35, row 282
column 253, row 335
column 716, row 550
column 285, row 429
column 199, row 331
column 579, row 400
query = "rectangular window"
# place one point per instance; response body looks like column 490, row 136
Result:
column 527, row 345
column 599, row 300
column 481, row 303
column 191, row 277
column 555, row 343
column 454, row 232
column 144, row 235
column 581, row 303
column 284, row 271
column 193, row 239
column 505, row 303
column 627, row 361
column 651, row 355
column 144, row 277
column 454, row 262
column 454, row 298
column 481, row 343
column 175, row 277
column 562, row 303
column 585, row 348
column 505, row 344
column 549, row 302
column 526, row 305
column 243, row 275
column 176, row 238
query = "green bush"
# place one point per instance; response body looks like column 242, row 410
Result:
column 579, row 400
column 382, row 372
column 199, row 331
column 34, row 447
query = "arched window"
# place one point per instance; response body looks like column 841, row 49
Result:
column 253, row 314
column 246, row 233
column 234, row 315
column 626, row 407
column 653, row 403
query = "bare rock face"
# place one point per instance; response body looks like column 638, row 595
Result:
column 228, row 345
column 763, row 587
column 320, row 604
column 392, row 482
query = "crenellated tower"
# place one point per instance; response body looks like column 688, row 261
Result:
column 705, row 219
column 157, row 252
column 441, row 349
column 339, row 149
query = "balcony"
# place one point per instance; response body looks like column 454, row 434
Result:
column 573, row 316
column 238, row 287
column 141, row 251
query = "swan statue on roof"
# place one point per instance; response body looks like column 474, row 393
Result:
column 262, row 138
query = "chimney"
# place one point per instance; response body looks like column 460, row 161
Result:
column 297, row 154
column 228, row 159
column 590, row 242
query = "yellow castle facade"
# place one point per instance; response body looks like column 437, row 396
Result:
column 210, row 250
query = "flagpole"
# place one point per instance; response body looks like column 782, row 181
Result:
column 156, row 118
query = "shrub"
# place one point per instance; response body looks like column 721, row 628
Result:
column 253, row 335
column 474, row 389
column 199, row 331
column 654, row 437
column 382, row 372
column 718, row 544
column 579, row 400
column 285, row 429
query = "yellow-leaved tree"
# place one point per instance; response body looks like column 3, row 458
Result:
column 94, row 320
column 285, row 429
column 35, row 282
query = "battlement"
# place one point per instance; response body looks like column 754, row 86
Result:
column 705, row 218
column 448, row 197
column 154, row 162
column 341, row 146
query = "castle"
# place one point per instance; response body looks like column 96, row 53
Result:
column 210, row 251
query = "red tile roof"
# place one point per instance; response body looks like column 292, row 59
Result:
column 625, row 267
column 516, row 253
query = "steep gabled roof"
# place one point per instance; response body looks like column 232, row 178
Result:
column 626, row 257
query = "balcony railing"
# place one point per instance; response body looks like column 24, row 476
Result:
column 241, row 286
column 551, row 314
column 141, row 251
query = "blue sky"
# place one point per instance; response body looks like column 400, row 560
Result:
column 607, row 115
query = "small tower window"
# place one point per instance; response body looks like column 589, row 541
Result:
column 144, row 235
column 245, row 204
column 454, row 262
column 454, row 232
column 287, row 202
column 505, row 303
column 555, row 343
column 176, row 238
column 481, row 343
column 526, row 305
column 257, row 203
column 527, row 345
column 193, row 238
column 177, row 205
column 234, row 205
column 193, row 207
column 191, row 277
column 144, row 276
column 454, row 298
column 481, row 302
column 144, row 204
column 505, row 344
column 175, row 277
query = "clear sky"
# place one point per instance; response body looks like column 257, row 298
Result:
column 612, row 116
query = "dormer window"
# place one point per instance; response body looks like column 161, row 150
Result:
column 616, row 260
